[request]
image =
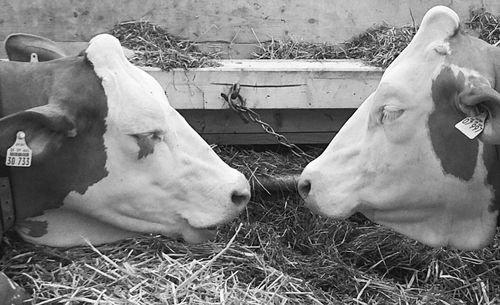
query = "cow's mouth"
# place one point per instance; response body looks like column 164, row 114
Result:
column 211, row 227
column 197, row 234
column 193, row 235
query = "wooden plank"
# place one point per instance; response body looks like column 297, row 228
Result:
column 300, row 126
column 282, row 120
column 268, row 84
column 265, row 139
column 287, row 65
column 239, row 21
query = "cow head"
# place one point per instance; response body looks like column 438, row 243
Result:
column 111, row 157
column 399, row 159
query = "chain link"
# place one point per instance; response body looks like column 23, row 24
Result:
column 237, row 103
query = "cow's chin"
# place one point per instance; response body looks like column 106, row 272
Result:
column 432, row 237
column 191, row 230
column 194, row 235
column 332, row 208
column 433, row 228
column 176, row 227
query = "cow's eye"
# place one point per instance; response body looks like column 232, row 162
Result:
column 156, row 135
column 389, row 113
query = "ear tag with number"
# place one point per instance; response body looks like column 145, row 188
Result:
column 472, row 126
column 19, row 154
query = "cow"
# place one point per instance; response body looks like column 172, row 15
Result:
column 400, row 160
column 95, row 153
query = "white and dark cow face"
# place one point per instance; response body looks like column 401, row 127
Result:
column 399, row 159
column 160, row 175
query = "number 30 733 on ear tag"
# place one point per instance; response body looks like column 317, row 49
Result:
column 472, row 126
column 19, row 154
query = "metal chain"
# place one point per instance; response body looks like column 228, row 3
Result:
column 237, row 103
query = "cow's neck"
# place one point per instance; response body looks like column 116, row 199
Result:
column 495, row 57
column 494, row 178
column 7, row 204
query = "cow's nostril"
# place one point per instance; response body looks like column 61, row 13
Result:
column 304, row 187
column 240, row 197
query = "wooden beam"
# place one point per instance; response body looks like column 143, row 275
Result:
column 272, row 84
column 300, row 126
column 282, row 120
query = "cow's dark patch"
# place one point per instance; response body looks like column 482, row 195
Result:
column 71, row 84
column 492, row 162
column 146, row 145
column 492, row 152
column 34, row 228
column 458, row 154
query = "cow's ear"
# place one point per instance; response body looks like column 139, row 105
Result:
column 476, row 100
column 19, row 47
column 45, row 127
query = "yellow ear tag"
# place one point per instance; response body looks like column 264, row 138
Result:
column 19, row 154
column 472, row 126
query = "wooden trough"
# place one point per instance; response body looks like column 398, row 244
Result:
column 306, row 101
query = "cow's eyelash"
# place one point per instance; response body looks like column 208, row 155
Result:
column 390, row 113
column 157, row 135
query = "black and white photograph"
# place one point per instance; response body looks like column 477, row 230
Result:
column 253, row 152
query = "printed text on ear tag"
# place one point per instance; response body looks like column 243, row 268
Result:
column 472, row 126
column 19, row 154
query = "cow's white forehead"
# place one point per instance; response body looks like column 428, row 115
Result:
column 136, row 102
column 438, row 25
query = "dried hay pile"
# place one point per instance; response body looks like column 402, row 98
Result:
column 378, row 46
column 155, row 47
